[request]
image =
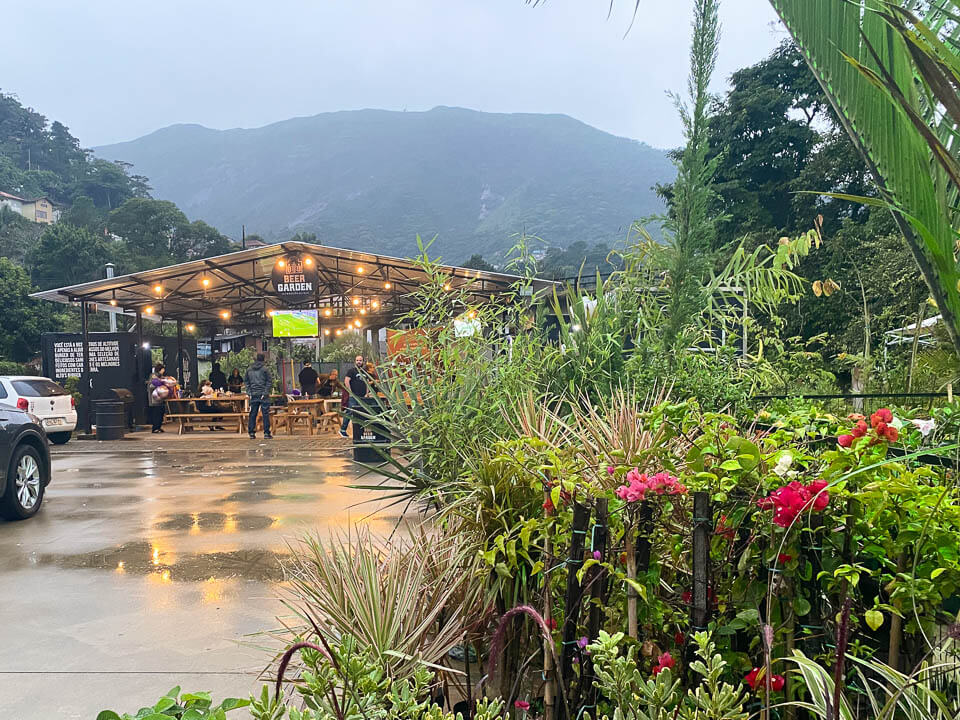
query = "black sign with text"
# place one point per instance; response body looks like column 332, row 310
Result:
column 295, row 277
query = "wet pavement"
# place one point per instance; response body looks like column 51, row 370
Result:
column 154, row 562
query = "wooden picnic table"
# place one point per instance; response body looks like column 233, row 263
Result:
column 186, row 412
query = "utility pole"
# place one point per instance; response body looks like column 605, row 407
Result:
column 111, row 313
column 243, row 236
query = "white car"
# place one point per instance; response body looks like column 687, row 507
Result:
column 44, row 398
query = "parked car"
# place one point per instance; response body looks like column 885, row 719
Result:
column 24, row 463
column 44, row 398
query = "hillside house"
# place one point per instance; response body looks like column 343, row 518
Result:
column 39, row 210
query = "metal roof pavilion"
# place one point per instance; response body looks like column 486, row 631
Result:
column 236, row 289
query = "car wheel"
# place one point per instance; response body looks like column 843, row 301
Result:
column 59, row 438
column 24, row 491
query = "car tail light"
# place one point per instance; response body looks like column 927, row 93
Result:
column 73, row 403
column 23, row 404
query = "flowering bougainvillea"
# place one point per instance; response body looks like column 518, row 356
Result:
column 794, row 498
column 639, row 484
column 754, row 679
column 882, row 423
column 663, row 662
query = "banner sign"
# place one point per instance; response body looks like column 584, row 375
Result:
column 295, row 277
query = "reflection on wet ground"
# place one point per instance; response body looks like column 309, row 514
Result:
column 159, row 555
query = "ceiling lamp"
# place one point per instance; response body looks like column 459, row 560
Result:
column 113, row 302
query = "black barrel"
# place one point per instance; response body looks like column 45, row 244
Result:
column 111, row 419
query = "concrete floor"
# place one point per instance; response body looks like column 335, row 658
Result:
column 153, row 562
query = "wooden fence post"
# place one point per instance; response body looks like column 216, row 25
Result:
column 596, row 581
column 637, row 547
column 572, row 601
column 702, row 530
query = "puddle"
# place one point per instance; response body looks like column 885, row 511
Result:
column 144, row 558
column 210, row 522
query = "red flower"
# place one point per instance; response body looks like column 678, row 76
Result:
column 885, row 415
column 565, row 496
column 548, row 505
column 687, row 597
column 855, row 416
column 860, row 429
column 724, row 530
column 892, row 434
column 783, row 558
column 845, row 441
column 678, row 638
column 821, row 498
column 522, row 705
column 552, row 624
column 663, row 662
column 777, row 682
column 752, row 678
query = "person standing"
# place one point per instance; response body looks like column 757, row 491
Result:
column 308, row 380
column 259, row 383
column 329, row 386
column 355, row 383
column 157, row 394
column 218, row 381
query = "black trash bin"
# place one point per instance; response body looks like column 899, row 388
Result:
column 366, row 434
column 111, row 419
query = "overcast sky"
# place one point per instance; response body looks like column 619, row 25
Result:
column 113, row 70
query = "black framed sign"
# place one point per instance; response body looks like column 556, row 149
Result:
column 294, row 277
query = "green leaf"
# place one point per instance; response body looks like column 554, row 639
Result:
column 108, row 715
column 730, row 465
column 801, row 606
column 874, row 619
column 234, row 703
column 937, row 573
column 641, row 590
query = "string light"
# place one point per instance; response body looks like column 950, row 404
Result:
column 308, row 261
column 328, row 312
column 113, row 302
column 269, row 313
column 356, row 301
column 387, row 286
column 148, row 310
column 158, row 289
column 360, row 269
column 326, row 332
column 446, row 286
column 357, row 323
column 225, row 314
column 339, row 331
column 191, row 327
column 374, row 304
column 281, row 263
column 363, row 311
column 206, row 282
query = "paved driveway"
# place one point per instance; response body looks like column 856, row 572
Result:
column 154, row 560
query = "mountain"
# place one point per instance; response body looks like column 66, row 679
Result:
column 374, row 179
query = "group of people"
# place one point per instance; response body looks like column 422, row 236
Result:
column 359, row 384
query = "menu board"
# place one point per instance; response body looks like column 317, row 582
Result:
column 68, row 357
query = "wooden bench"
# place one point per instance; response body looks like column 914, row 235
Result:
column 291, row 417
column 212, row 420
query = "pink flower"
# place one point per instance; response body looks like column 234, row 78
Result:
column 610, row 469
column 777, row 682
column 860, row 429
column 522, row 705
column 845, row 441
column 783, row 558
column 663, row 662
column 597, row 555
column 583, row 642
column 752, row 678
column 821, row 498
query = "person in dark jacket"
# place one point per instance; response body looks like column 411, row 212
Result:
column 235, row 381
column 259, row 382
column 217, row 379
column 308, row 379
